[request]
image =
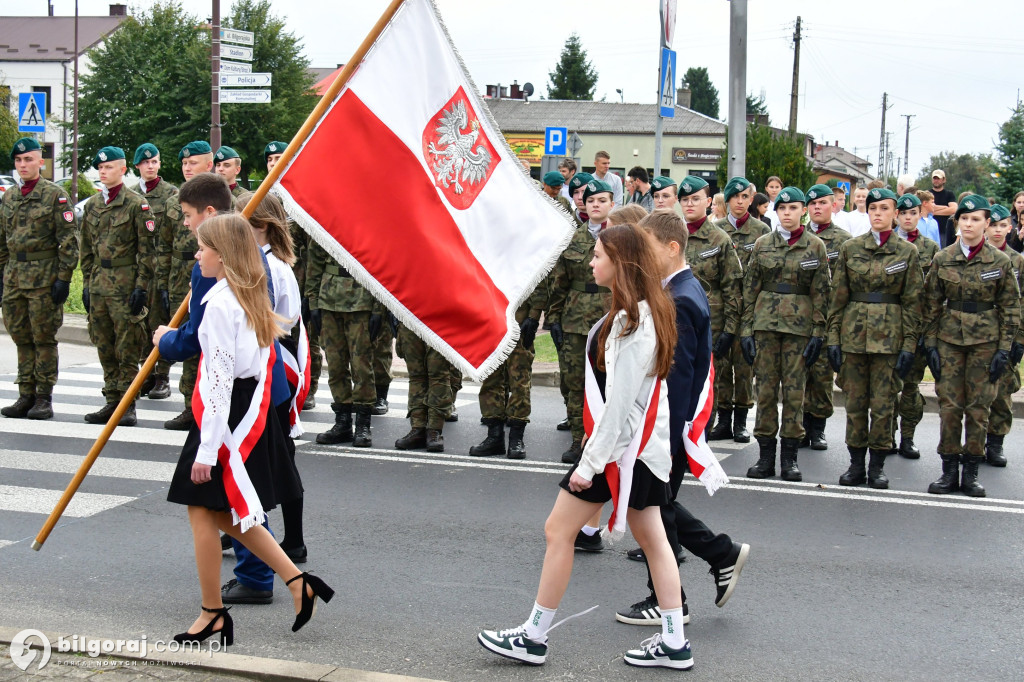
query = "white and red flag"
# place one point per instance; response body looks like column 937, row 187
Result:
column 703, row 463
column 408, row 183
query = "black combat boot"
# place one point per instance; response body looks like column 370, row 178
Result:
column 102, row 415
column 161, row 389
column 310, row 400
column 128, row 418
column 341, row 432
column 876, row 474
column 765, row 466
column 563, row 425
column 907, row 448
column 147, row 385
column 183, row 422
column 856, row 474
column 414, row 440
column 969, row 481
column 993, row 449
column 740, row 434
column 380, row 407
column 573, row 453
column 788, row 470
column 494, row 443
column 435, row 441
column 949, row 481
column 816, row 433
column 362, row 437
column 453, row 416
column 43, row 409
column 516, row 447
column 723, row 429
column 20, row 407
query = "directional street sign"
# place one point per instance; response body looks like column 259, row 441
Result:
column 245, row 96
column 235, row 67
column 667, row 91
column 554, row 141
column 31, row 112
column 244, row 80
column 236, row 52
column 241, row 37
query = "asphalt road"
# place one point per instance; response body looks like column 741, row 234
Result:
column 425, row 550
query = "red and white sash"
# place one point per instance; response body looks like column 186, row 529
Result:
column 297, row 372
column 703, row 463
column 246, row 507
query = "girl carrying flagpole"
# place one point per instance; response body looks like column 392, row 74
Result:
column 625, row 456
column 233, row 466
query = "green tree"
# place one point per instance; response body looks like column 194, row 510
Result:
column 757, row 106
column 1011, row 157
column 574, row 76
column 772, row 152
column 964, row 172
column 703, row 93
column 8, row 123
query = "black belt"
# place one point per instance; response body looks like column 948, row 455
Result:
column 335, row 269
column 590, row 288
column 184, row 255
column 117, row 262
column 970, row 306
column 25, row 256
column 874, row 297
column 784, row 288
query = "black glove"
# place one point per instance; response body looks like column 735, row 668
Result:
column 813, row 350
column 934, row 361
column 528, row 332
column 904, row 363
column 316, row 320
column 1016, row 352
column 137, row 301
column 999, row 362
column 59, row 291
column 393, row 323
column 304, row 311
column 749, row 348
column 920, row 345
column 165, row 300
column 557, row 337
column 1, row 285
column 835, row 357
column 723, row 344
column 85, row 298
column 376, row 322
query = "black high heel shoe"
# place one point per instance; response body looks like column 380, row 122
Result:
column 227, row 629
column 308, row 608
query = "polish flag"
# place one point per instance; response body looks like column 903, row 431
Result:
column 408, row 183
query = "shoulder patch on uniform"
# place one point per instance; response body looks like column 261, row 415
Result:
column 749, row 247
column 710, row 252
column 810, row 264
column 145, row 206
column 832, row 255
column 989, row 275
column 150, row 225
column 62, row 200
column 69, row 216
column 896, row 267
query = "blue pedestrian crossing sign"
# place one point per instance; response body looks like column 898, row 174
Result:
column 31, row 112
column 555, row 140
column 667, row 91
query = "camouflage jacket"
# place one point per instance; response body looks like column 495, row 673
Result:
column 330, row 287
column 116, row 247
column 1017, row 263
column 38, row 243
column 833, row 237
column 300, row 247
column 712, row 257
column 926, row 250
column 176, row 250
column 743, row 237
column 157, row 200
column 786, row 288
column 238, row 190
column 576, row 302
column 890, row 274
column 987, row 281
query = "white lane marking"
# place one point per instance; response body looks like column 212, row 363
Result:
column 859, row 490
column 439, row 457
column 104, row 466
column 42, row 501
column 4, row 543
column 124, row 434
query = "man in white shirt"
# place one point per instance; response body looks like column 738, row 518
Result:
column 839, row 212
column 857, row 221
column 602, row 162
column 567, row 167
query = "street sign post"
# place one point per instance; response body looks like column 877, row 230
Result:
column 31, row 112
column 235, row 67
column 667, row 92
column 244, row 80
column 555, row 141
column 575, row 145
column 245, row 96
column 668, row 22
column 236, row 52
column 240, row 37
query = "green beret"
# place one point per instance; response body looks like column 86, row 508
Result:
column 791, row 195
column 596, row 187
column 734, row 187
column 23, row 146
column 553, row 179
column 661, row 182
column 194, row 148
column 579, row 180
column 819, row 191
column 971, row 203
column 691, row 185
column 145, row 151
column 907, row 202
column 107, row 154
column 225, row 153
column 880, row 194
column 999, row 212
column 275, row 147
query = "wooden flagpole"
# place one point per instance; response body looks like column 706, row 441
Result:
column 268, row 182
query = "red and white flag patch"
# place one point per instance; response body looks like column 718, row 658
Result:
column 145, row 207
column 62, row 200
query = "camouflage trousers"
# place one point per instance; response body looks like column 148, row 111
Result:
column 818, row 394
column 734, row 380
column 910, row 402
column 32, row 319
column 870, row 384
column 118, row 341
column 505, row 393
column 965, row 397
column 346, row 338
column 780, row 364
column 316, row 359
column 430, row 382
column 456, row 382
column 382, row 357
column 157, row 316
column 1001, row 415
column 571, row 360
column 189, row 367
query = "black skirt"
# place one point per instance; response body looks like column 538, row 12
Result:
column 647, row 490
column 269, row 466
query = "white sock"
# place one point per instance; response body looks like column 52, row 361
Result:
column 589, row 530
column 672, row 628
column 539, row 622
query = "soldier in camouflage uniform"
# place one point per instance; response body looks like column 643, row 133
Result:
column 1001, row 415
column 663, row 192
column 785, row 300
column 348, row 318
column 117, row 266
column 430, row 393
column 910, row 402
column 873, row 326
column 38, row 252
column 734, row 379
column 972, row 312
column 382, row 359
column 156, row 192
column 228, row 165
column 577, row 303
column 818, row 395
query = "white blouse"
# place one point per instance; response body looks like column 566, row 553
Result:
column 287, row 300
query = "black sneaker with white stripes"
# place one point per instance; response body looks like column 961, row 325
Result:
column 513, row 643
column 727, row 573
column 647, row 612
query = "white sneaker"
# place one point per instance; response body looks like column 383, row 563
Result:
column 513, row 643
column 653, row 653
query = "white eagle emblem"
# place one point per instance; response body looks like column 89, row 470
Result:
column 21, row 146
column 103, row 156
column 876, row 194
column 686, row 187
column 462, row 159
column 969, row 204
column 785, row 196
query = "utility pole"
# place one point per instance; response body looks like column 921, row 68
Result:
column 215, row 86
column 888, row 156
column 737, row 161
column 794, row 94
column 74, row 125
column 906, row 143
column 881, row 137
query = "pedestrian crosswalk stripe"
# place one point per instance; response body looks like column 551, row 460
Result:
column 124, row 434
column 4, row 543
column 42, row 501
column 104, row 466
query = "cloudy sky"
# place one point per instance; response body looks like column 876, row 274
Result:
column 955, row 67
